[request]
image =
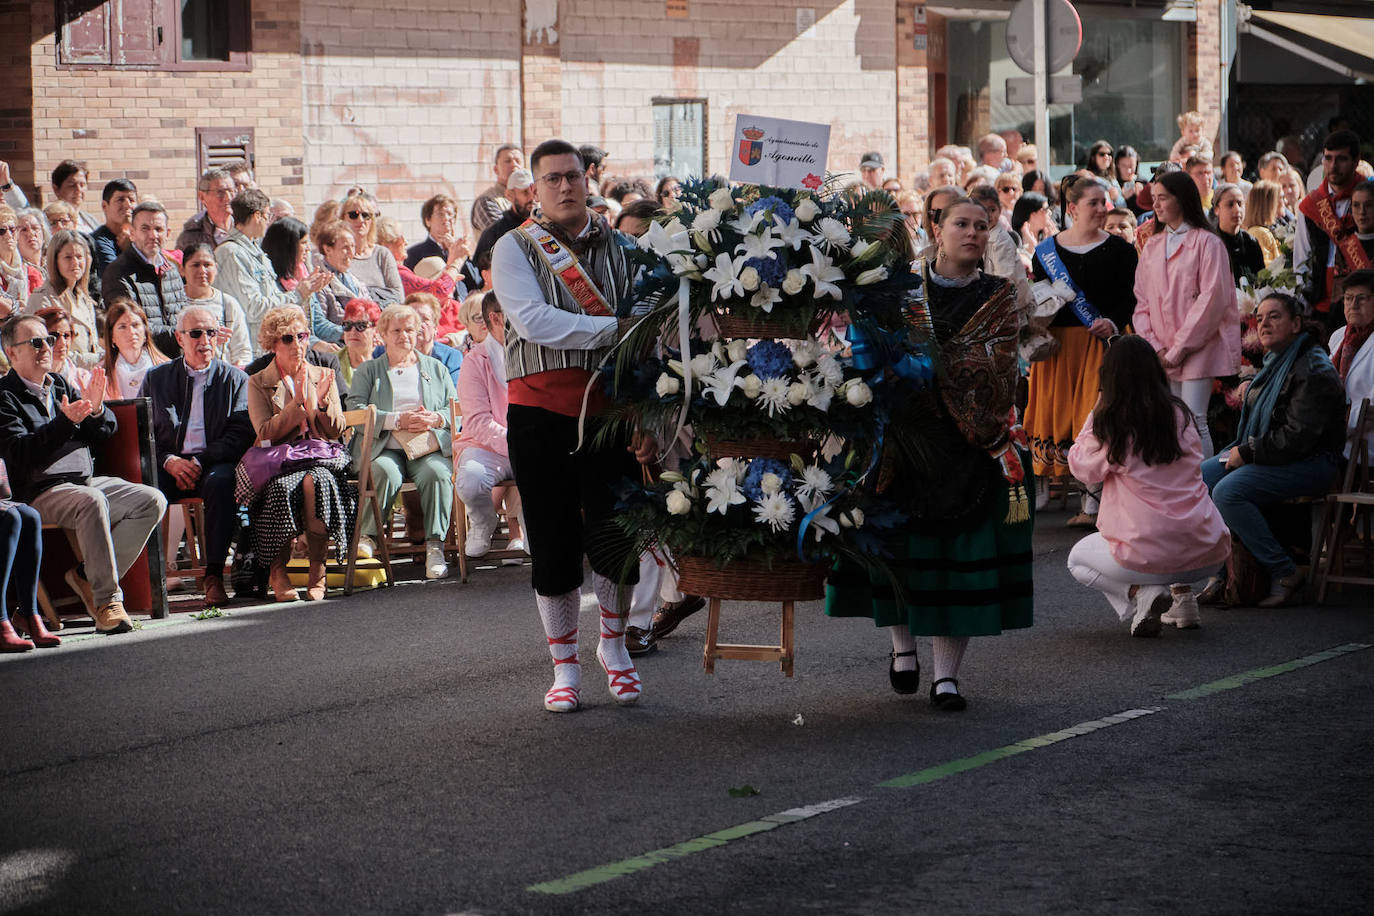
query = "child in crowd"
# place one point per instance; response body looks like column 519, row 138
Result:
column 1121, row 223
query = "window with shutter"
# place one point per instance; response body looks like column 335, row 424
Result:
column 155, row 34
column 85, row 32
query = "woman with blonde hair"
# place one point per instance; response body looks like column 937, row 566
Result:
column 68, row 288
column 1263, row 207
column 60, row 216
column 129, row 348
column 372, row 263
column 32, row 238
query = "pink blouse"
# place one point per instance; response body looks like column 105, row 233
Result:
column 1155, row 519
column 483, row 397
column 1186, row 304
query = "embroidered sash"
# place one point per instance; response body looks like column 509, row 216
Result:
column 564, row 265
column 1320, row 208
column 1054, row 267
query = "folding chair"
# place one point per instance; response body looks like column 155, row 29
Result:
column 193, row 514
column 458, row 531
column 1356, row 492
column 367, row 498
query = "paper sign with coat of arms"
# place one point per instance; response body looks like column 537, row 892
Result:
column 779, row 153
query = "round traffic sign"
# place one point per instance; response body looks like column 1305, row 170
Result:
column 1063, row 33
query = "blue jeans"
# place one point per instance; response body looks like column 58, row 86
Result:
column 21, row 554
column 1240, row 496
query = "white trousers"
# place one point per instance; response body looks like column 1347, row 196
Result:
column 1196, row 393
column 657, row 584
column 1092, row 564
column 479, row 471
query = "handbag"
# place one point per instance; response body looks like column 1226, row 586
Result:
column 417, row 445
column 262, row 463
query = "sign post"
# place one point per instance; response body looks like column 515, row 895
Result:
column 1044, row 36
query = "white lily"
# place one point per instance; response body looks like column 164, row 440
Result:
column 746, row 223
column 722, row 491
column 873, row 275
column 820, row 395
column 766, row 298
column 823, row 273
column 720, row 384
column 860, row 247
column 664, row 240
column 684, row 265
column 791, row 233
column 759, row 246
column 725, row 277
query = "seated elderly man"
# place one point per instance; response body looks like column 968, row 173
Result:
column 47, row 429
column 201, row 428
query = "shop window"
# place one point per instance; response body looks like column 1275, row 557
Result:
column 154, row 34
column 680, row 138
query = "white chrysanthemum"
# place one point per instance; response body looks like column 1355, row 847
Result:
column 706, row 221
column 775, row 510
column 828, row 367
column 773, row 396
column 815, row 483
column 832, row 234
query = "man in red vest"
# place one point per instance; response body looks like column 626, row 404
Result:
column 1326, row 227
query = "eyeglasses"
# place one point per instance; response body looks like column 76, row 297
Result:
column 934, row 217
column 359, row 214
column 1006, row 190
column 197, row 333
column 65, row 222
column 356, row 325
column 554, row 179
column 6, row 230
column 298, row 337
column 39, row 343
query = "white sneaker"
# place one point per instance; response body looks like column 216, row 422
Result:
column 366, row 548
column 517, row 544
column 479, row 538
column 1184, row 612
column 436, row 567
column 1151, row 601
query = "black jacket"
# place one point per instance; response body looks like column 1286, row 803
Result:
column 1309, row 415
column 472, row 277
column 509, row 220
column 228, row 431
column 162, row 297
column 31, row 440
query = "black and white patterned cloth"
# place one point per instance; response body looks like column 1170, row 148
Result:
column 278, row 512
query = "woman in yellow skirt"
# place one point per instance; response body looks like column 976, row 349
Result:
column 1099, row 270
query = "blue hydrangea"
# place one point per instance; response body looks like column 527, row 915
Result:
column 753, row 480
column 771, row 270
column 769, row 359
column 776, row 205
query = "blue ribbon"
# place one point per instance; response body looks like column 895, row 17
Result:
column 1048, row 254
column 810, row 516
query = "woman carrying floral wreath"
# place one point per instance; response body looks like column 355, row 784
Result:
column 951, row 461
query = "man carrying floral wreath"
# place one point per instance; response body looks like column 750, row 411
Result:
column 564, row 283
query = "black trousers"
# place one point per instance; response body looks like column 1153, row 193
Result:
column 216, row 488
column 569, row 499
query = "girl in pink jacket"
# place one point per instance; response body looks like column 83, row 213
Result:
column 1186, row 298
column 1157, row 529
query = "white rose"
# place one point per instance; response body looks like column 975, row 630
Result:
column 721, row 200
column 702, row 365
column 875, row 275
column 770, row 483
column 858, row 394
column 679, row 503
column 737, row 350
column 667, row 386
column 706, row 221
column 807, row 210
column 752, row 385
column 793, row 282
column 796, row 393
column 805, row 353
column 749, row 279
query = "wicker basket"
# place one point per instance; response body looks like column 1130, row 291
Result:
column 739, row 327
column 751, row 580
column 781, row 449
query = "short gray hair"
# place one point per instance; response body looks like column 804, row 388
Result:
column 212, row 174
column 184, row 315
column 9, row 330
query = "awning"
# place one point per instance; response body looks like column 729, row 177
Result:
column 1346, row 32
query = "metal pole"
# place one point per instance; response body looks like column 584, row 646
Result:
column 1040, row 24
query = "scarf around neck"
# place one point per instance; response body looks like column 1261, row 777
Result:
column 1258, row 409
column 1350, row 346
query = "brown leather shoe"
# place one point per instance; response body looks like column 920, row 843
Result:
column 315, row 576
column 280, row 581
column 639, row 642
column 667, row 617
column 112, row 619
column 214, row 591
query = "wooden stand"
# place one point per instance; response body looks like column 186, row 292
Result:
column 714, row 650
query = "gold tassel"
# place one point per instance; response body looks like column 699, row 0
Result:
column 1018, row 506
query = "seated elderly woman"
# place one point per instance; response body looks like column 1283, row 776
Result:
column 1352, row 346
column 483, row 459
column 411, row 392
column 359, row 335
column 430, row 313
column 290, row 400
column 336, row 247
column 1292, row 427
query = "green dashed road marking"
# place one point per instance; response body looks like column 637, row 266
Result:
column 601, row 874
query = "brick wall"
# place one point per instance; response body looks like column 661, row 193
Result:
column 1207, row 68
column 16, row 102
column 913, row 88
column 141, row 124
column 408, row 97
column 618, row 55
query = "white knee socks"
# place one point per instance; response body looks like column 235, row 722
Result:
column 903, row 641
column 615, row 605
column 948, row 652
column 559, row 614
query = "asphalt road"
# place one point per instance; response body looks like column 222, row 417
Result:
column 389, row 754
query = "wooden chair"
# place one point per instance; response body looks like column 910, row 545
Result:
column 367, row 499
column 45, row 603
column 1356, row 492
column 458, row 530
column 193, row 514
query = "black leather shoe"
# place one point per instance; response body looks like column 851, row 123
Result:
column 947, row 702
column 667, row 617
column 904, row 682
column 639, row 641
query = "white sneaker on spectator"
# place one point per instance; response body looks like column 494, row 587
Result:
column 366, row 548
column 436, row 567
column 1151, row 601
column 479, row 538
column 1184, row 612
column 515, row 544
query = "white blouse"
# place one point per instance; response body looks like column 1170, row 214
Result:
column 405, row 395
column 129, row 376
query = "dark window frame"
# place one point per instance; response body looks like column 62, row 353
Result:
column 166, row 18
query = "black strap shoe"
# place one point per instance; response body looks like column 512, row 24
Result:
column 904, row 682
column 947, row 702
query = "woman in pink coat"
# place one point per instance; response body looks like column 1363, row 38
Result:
column 1158, row 530
column 483, row 458
column 1186, row 298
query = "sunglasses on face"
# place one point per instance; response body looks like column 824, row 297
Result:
column 6, row 230
column 39, row 343
column 64, row 335
column 197, row 333
column 359, row 214
column 298, row 337
column 356, row 325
